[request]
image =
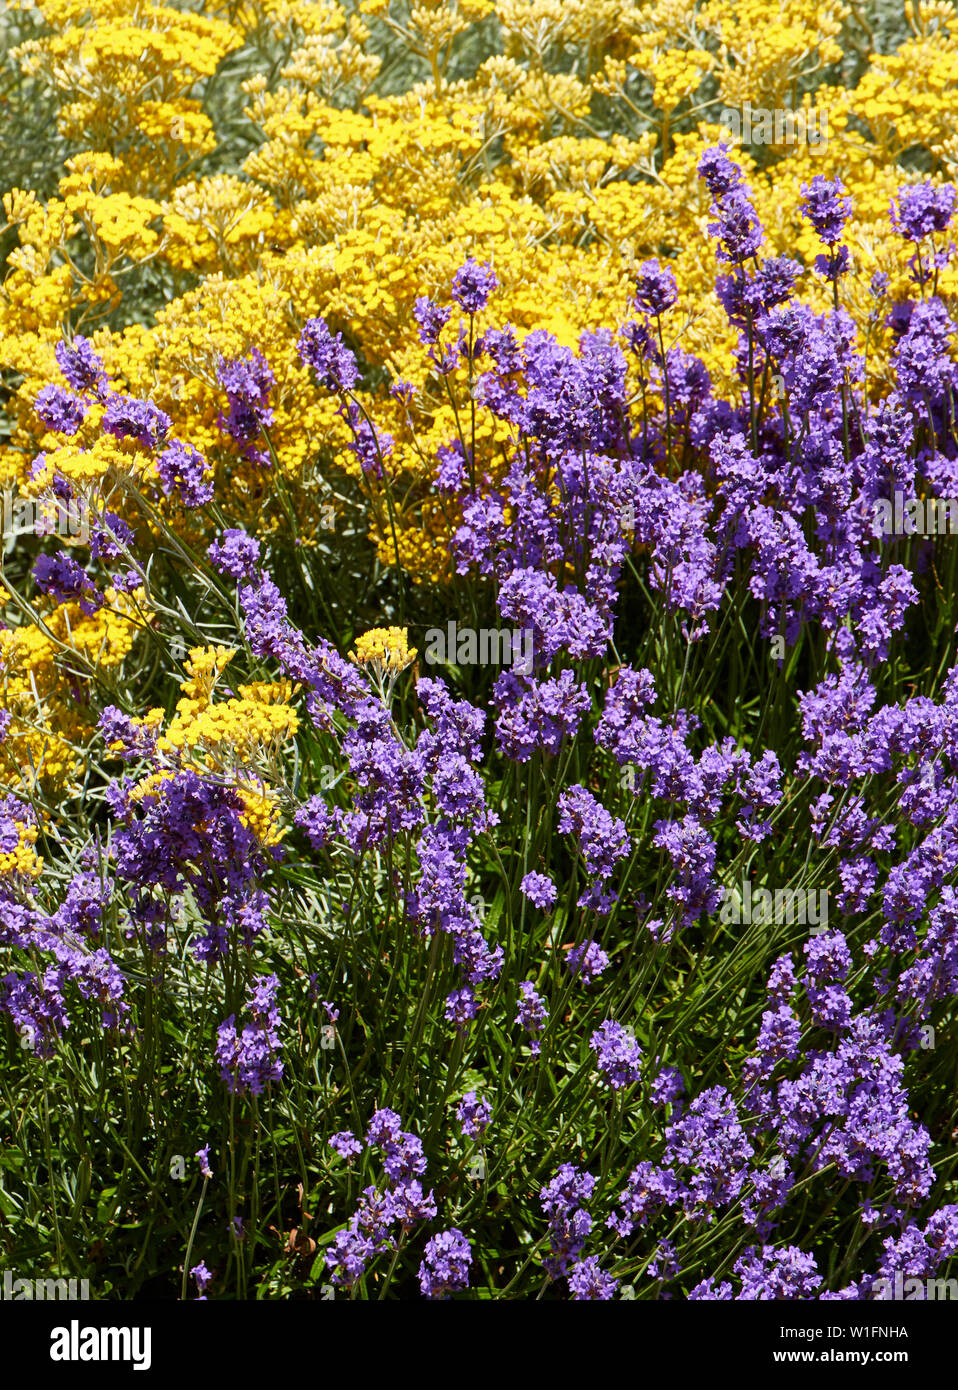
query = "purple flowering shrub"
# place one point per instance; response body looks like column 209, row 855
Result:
column 630, row 965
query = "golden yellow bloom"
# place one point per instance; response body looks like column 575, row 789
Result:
column 203, row 667
column 384, row 649
column 352, row 199
column 261, row 816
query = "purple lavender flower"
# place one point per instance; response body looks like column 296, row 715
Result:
column 923, row 209
column 649, row 1191
column 409, row 1205
column 617, row 1054
column 720, row 174
column 473, row 1113
column 37, row 1008
column 203, row 1155
column 462, row 1007
column 772, row 1273
column 348, row 1255
column 738, row 228
column 655, row 288
column 588, row 961
column 445, row 1266
column 472, row 285
column 826, row 207
column 537, row 714
column 236, row 554
column 345, row 1144
column 81, row 912
column 431, row 318
column 249, row 1061
column 128, row 418
column 710, row 1140
column 203, row 1279
column 459, row 725
column 180, row 466
column 664, row 1265
column 619, row 723
column 189, row 832
column 402, row 1152
column 707, row 1290
column 327, row 354
column 404, row 392
column 81, row 367
column 587, row 1281
column 778, row 1038
column 828, row 961
column 835, row 264
column 602, row 837
column 692, row 852
column 667, row 1087
column 532, row 1013
column 60, row 410
column 109, row 534
column 370, row 445
column 136, row 740
column 878, row 285
column 385, row 1128
column 539, row 889
column 247, row 382
column 563, row 1201
column 61, row 576
column 452, row 471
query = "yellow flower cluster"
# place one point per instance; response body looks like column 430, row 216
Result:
column 229, row 733
column 384, row 649
column 46, row 666
column 565, row 156
column 122, row 73
column 261, row 815
column 203, row 666
column 150, row 787
column 244, row 726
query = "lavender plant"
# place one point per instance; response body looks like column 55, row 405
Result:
column 434, row 969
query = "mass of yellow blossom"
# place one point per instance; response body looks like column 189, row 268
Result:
column 236, row 168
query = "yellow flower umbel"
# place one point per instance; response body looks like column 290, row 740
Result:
column 385, row 649
column 223, row 735
column 260, row 814
column 360, row 194
column 383, row 652
column 204, row 666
